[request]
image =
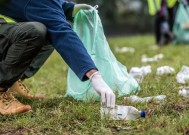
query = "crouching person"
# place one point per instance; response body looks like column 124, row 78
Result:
column 19, row 44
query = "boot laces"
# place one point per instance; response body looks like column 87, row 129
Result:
column 7, row 98
column 23, row 86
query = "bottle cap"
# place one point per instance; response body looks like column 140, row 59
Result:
column 143, row 114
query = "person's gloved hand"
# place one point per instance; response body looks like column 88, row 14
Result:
column 107, row 95
column 77, row 7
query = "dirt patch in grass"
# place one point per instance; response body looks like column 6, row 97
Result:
column 180, row 106
column 17, row 131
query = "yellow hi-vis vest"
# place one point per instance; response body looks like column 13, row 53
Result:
column 171, row 3
column 155, row 5
column 5, row 19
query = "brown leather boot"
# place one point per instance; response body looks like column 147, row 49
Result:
column 10, row 105
column 20, row 90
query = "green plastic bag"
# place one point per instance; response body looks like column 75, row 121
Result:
column 87, row 25
column 181, row 25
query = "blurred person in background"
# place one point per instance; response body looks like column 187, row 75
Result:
column 164, row 11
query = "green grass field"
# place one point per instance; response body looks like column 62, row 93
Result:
column 58, row 115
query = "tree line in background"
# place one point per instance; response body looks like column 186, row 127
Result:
column 123, row 16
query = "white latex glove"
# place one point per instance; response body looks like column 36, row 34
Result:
column 107, row 95
column 77, row 7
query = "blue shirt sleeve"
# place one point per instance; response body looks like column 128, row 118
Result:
column 63, row 38
column 68, row 9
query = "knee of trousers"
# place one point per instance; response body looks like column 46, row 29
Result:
column 38, row 31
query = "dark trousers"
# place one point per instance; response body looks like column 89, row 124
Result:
column 170, row 19
column 158, row 21
column 38, row 61
column 172, row 13
column 20, row 43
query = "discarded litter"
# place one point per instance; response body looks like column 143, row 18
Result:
column 138, row 72
column 144, row 70
column 158, row 56
column 124, row 49
column 165, row 70
column 137, row 75
column 136, row 99
column 183, row 75
column 184, row 92
column 121, row 112
column 145, row 59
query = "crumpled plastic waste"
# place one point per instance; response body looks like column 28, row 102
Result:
column 137, row 99
column 137, row 75
column 145, row 59
column 139, row 72
column 165, row 70
column 184, row 92
column 144, row 70
column 183, row 75
column 124, row 49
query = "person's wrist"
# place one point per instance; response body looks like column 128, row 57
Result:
column 91, row 77
column 90, row 72
column 77, row 7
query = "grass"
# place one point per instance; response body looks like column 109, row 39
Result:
column 58, row 115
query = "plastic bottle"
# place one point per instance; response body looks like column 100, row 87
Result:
column 151, row 59
column 184, row 92
column 121, row 113
column 136, row 99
